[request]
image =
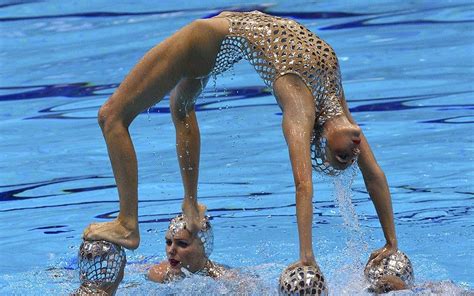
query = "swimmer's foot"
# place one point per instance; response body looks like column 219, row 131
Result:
column 193, row 214
column 117, row 232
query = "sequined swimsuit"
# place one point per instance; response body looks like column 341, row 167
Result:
column 277, row 46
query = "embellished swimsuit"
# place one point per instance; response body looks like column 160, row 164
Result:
column 277, row 46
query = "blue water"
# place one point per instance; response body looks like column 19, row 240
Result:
column 407, row 71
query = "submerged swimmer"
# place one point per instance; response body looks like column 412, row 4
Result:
column 101, row 268
column 303, row 72
column 187, row 253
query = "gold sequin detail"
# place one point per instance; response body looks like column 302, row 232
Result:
column 277, row 46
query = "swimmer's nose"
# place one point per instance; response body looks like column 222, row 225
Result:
column 172, row 250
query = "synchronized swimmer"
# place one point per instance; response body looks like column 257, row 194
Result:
column 303, row 72
column 191, row 252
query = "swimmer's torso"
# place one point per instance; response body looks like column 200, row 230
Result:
column 276, row 46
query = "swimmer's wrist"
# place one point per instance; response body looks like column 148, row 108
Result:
column 307, row 259
column 392, row 243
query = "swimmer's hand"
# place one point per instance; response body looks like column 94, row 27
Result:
column 389, row 283
column 194, row 215
column 377, row 256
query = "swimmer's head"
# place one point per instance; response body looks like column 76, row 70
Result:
column 302, row 280
column 336, row 147
column 185, row 250
column 101, row 267
column 392, row 273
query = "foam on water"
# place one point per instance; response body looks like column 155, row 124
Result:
column 257, row 280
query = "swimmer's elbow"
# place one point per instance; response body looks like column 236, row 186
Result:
column 373, row 173
column 379, row 174
column 304, row 188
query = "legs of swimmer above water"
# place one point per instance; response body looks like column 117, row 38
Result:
column 188, row 144
column 297, row 104
column 190, row 52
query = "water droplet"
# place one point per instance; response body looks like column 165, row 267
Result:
column 148, row 114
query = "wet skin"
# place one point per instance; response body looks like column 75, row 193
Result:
column 179, row 64
column 185, row 250
column 182, row 250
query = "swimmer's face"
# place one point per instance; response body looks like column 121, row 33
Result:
column 184, row 250
column 343, row 140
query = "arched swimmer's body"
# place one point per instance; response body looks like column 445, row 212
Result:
column 318, row 127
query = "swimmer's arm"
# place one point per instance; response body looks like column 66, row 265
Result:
column 300, row 157
column 377, row 186
column 389, row 283
column 159, row 272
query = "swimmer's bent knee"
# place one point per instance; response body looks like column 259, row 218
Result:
column 108, row 117
column 180, row 112
column 102, row 116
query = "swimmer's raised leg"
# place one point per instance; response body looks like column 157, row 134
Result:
column 143, row 87
column 190, row 52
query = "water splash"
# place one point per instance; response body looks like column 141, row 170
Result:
column 148, row 114
column 356, row 248
column 254, row 280
column 214, row 85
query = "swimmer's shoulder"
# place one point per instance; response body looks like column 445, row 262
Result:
column 158, row 272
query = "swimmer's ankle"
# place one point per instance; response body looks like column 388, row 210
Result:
column 189, row 204
column 128, row 223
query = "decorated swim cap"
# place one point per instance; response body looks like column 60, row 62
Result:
column 319, row 157
column 397, row 264
column 302, row 280
column 101, row 265
column 205, row 234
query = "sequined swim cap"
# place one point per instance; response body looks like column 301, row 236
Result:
column 101, row 265
column 205, row 234
column 397, row 265
column 319, row 158
column 319, row 154
column 302, row 280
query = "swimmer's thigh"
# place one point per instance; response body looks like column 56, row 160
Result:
column 190, row 52
column 205, row 42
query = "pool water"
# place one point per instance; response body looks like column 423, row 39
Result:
column 407, row 72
